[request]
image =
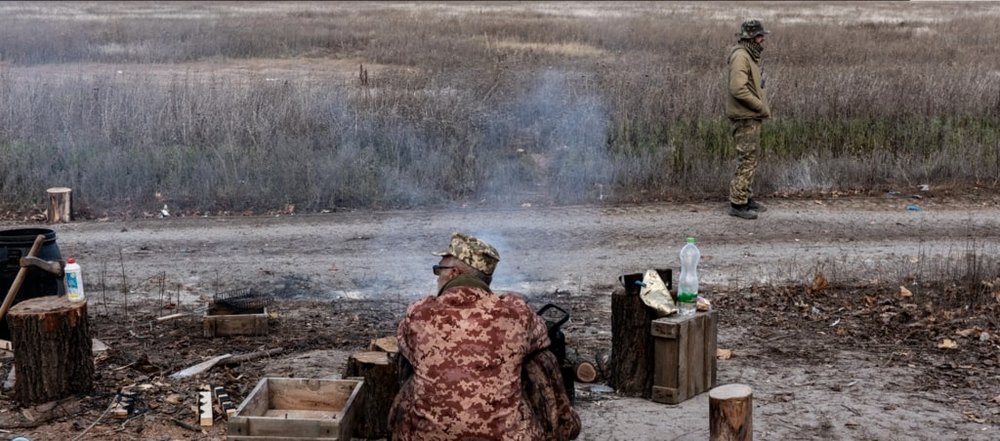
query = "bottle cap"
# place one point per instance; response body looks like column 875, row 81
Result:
column 71, row 260
column 690, row 240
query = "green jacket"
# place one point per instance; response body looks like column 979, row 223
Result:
column 747, row 97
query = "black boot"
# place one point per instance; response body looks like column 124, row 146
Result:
column 755, row 206
column 742, row 211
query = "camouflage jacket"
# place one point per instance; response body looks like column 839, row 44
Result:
column 747, row 97
column 467, row 346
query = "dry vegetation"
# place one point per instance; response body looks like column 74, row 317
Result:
column 225, row 106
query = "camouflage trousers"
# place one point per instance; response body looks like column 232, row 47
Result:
column 746, row 134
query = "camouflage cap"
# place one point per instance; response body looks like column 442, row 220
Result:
column 476, row 253
column 751, row 28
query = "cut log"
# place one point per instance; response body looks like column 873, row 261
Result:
column 730, row 413
column 384, row 344
column 380, row 372
column 632, row 353
column 52, row 349
column 60, row 204
column 585, row 372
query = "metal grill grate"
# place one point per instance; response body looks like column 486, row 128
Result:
column 242, row 300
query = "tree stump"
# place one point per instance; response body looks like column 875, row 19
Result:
column 632, row 352
column 380, row 372
column 60, row 204
column 730, row 413
column 52, row 349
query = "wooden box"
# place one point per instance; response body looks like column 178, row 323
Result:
column 222, row 322
column 684, row 356
column 296, row 409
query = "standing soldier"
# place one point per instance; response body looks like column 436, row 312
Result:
column 746, row 107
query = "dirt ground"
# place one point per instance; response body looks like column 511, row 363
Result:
column 844, row 356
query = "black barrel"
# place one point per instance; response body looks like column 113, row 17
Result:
column 15, row 244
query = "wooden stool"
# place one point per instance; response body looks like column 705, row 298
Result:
column 52, row 349
column 730, row 413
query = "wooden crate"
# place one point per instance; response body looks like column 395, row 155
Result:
column 221, row 322
column 684, row 356
column 296, row 409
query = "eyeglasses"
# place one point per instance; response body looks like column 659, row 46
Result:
column 437, row 269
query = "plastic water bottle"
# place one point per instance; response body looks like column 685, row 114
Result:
column 74, row 281
column 687, row 288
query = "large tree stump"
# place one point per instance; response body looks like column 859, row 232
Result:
column 52, row 349
column 730, row 413
column 380, row 372
column 60, row 204
column 632, row 352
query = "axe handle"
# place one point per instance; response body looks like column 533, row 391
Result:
column 21, row 273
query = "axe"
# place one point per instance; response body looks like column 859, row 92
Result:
column 30, row 261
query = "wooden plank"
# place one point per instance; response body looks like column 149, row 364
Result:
column 696, row 358
column 683, row 368
column 350, row 411
column 711, row 346
column 290, row 427
column 662, row 362
column 198, row 368
column 172, row 316
column 665, row 395
column 293, row 414
column 309, row 393
column 255, row 404
column 205, row 408
column 664, row 328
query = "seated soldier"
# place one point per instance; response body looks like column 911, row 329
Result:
column 468, row 348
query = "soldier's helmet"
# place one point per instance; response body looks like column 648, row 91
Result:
column 473, row 251
column 750, row 29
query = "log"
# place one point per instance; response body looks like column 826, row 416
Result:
column 632, row 352
column 60, row 204
column 730, row 413
column 237, row 359
column 52, row 349
column 380, row 372
column 585, row 372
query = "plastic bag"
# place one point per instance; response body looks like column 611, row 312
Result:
column 654, row 293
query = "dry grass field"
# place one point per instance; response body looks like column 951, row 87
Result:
column 536, row 125
column 214, row 107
